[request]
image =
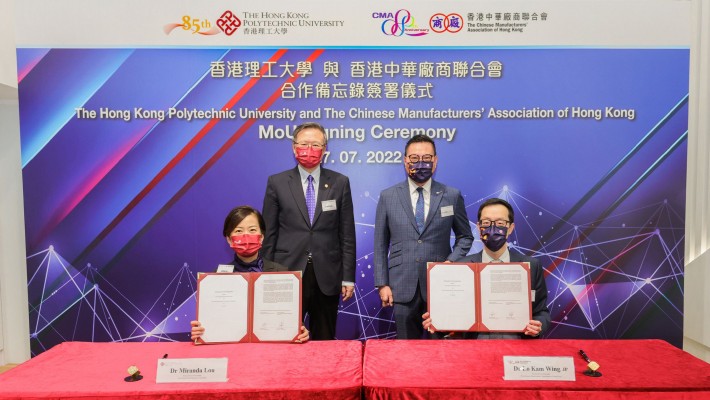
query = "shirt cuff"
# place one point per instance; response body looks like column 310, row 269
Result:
column 348, row 283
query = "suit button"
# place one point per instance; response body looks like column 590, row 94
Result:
column 419, row 241
column 419, row 259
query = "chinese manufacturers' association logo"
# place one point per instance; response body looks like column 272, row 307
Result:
column 441, row 23
column 228, row 23
column 400, row 23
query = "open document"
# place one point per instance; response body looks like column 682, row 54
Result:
column 277, row 307
column 249, row 307
column 479, row 297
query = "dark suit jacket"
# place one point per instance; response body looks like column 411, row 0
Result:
column 537, row 283
column 401, row 252
column 270, row 266
column 289, row 235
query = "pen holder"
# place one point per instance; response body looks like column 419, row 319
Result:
column 134, row 374
column 592, row 370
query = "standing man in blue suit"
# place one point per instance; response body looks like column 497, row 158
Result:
column 310, row 227
column 413, row 224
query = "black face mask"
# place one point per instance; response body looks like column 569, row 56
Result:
column 494, row 237
column 421, row 171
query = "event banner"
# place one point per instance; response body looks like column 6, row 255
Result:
column 139, row 137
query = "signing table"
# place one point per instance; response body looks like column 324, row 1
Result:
column 314, row 370
column 473, row 369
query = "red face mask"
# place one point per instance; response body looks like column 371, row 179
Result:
column 245, row 244
column 308, row 156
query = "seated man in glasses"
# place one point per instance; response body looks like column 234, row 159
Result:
column 495, row 224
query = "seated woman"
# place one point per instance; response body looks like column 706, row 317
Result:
column 243, row 229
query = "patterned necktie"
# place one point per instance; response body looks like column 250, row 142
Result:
column 419, row 210
column 311, row 198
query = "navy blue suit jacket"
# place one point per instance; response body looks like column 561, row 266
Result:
column 401, row 252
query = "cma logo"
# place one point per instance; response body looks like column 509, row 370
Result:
column 378, row 15
column 399, row 23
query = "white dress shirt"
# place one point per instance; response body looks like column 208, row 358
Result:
column 414, row 195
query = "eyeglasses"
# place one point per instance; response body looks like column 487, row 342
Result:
column 316, row 146
column 500, row 223
column 415, row 158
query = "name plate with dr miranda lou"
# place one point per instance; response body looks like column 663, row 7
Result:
column 520, row 368
column 174, row 370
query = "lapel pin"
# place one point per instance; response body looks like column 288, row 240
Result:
column 326, row 186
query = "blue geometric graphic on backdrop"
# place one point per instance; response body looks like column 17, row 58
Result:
column 585, row 289
column 81, row 305
column 136, row 206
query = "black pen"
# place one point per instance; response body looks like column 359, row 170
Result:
column 592, row 367
column 584, row 355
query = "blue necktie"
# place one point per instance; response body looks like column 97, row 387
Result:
column 419, row 210
column 311, row 199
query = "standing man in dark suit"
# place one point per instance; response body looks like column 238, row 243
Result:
column 495, row 224
column 413, row 225
column 310, row 227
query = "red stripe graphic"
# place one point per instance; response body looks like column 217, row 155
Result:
column 228, row 144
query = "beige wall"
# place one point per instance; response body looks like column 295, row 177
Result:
column 14, row 316
column 8, row 66
column 14, row 327
column 696, row 324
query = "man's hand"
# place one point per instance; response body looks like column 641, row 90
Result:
column 303, row 336
column 427, row 323
column 347, row 292
column 533, row 328
column 386, row 296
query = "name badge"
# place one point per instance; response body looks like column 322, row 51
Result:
column 172, row 370
column 447, row 211
column 329, row 205
column 517, row 368
column 225, row 268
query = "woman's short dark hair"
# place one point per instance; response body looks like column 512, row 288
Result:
column 237, row 215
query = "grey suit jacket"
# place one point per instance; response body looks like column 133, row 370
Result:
column 537, row 283
column 289, row 236
column 401, row 252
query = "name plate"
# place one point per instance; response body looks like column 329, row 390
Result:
column 172, row 370
column 517, row 368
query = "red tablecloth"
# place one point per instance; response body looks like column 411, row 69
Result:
column 473, row 369
column 313, row 370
